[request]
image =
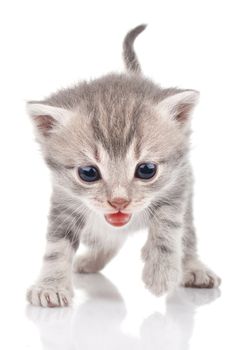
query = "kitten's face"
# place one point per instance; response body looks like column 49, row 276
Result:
column 115, row 158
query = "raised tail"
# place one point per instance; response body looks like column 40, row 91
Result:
column 129, row 55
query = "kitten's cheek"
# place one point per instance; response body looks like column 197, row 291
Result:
column 118, row 219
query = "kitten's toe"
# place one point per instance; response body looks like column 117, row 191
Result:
column 47, row 296
column 200, row 277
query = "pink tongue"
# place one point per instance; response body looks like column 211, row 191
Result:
column 118, row 219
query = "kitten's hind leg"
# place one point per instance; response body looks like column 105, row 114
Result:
column 197, row 275
column 96, row 258
column 92, row 261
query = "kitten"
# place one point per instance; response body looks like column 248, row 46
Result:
column 118, row 150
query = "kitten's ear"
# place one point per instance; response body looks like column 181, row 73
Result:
column 179, row 106
column 47, row 119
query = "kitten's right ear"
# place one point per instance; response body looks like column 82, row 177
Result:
column 47, row 119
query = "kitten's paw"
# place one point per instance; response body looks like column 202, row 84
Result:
column 160, row 280
column 196, row 275
column 49, row 296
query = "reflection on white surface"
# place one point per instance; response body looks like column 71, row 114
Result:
column 97, row 323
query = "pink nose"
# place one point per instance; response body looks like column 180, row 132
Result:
column 119, row 203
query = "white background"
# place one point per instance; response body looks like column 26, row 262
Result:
column 204, row 45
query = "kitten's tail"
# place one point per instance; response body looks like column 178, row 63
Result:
column 129, row 55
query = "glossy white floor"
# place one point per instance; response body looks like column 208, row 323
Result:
column 113, row 311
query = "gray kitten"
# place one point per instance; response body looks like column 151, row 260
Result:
column 118, row 148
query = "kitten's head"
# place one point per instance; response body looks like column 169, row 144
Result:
column 117, row 143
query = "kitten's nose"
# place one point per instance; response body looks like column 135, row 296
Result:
column 119, row 203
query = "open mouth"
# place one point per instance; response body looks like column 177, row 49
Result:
column 118, row 219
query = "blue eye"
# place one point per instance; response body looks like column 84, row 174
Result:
column 146, row 171
column 89, row 173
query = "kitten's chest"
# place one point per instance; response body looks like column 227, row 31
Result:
column 98, row 230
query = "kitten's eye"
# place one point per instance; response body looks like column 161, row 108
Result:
column 146, row 171
column 89, row 173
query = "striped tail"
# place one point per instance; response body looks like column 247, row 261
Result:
column 130, row 58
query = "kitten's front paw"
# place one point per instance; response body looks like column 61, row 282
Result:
column 159, row 279
column 49, row 296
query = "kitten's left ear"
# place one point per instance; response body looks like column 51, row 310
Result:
column 179, row 106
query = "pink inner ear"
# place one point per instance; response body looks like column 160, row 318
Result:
column 44, row 123
column 183, row 112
